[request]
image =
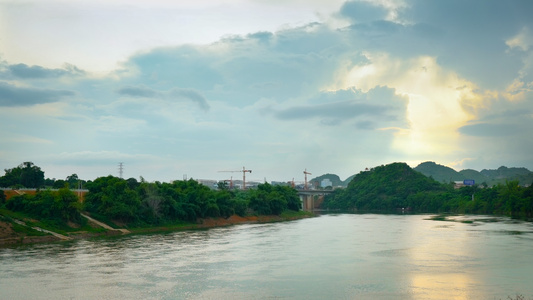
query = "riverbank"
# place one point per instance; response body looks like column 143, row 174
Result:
column 10, row 235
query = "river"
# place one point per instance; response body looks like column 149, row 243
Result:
column 343, row 256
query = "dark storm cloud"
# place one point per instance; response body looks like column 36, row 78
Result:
column 22, row 96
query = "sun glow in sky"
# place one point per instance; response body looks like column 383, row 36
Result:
column 175, row 88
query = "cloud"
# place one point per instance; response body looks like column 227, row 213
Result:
column 240, row 70
column 490, row 129
column 138, row 91
column 378, row 107
column 191, row 95
column 363, row 11
column 173, row 94
column 339, row 110
column 24, row 96
column 510, row 122
column 386, row 81
column 24, row 71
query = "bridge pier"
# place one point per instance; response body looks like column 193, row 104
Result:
column 311, row 199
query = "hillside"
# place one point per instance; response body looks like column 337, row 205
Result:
column 489, row 177
column 439, row 172
column 382, row 188
column 335, row 180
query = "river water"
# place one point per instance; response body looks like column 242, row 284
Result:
column 344, row 256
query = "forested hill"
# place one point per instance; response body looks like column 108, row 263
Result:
column 396, row 186
column 335, row 180
column 382, row 188
column 486, row 177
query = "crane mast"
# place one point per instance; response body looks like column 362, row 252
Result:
column 305, row 173
column 244, row 171
column 244, row 177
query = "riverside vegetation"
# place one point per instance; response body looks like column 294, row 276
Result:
column 132, row 204
column 129, row 203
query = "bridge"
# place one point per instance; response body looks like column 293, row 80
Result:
column 312, row 199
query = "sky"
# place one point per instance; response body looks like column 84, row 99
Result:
column 187, row 89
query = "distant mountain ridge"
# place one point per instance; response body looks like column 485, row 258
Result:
column 489, row 177
column 444, row 174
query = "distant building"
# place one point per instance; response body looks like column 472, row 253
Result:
column 458, row 184
column 212, row 184
column 325, row 183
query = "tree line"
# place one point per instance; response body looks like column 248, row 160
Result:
column 140, row 203
column 28, row 175
column 398, row 187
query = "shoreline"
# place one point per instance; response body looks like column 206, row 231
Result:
column 12, row 238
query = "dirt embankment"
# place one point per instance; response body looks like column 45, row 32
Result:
column 8, row 236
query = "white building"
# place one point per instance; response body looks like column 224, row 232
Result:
column 325, row 183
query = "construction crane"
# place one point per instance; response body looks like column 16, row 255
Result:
column 305, row 172
column 230, row 182
column 243, row 175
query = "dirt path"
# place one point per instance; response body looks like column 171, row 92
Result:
column 124, row 231
column 57, row 235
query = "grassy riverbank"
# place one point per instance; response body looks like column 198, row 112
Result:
column 17, row 228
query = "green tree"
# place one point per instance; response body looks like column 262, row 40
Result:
column 26, row 174
column 32, row 176
column 68, row 206
column 112, row 197
column 73, row 181
column 60, row 183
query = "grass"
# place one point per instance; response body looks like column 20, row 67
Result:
column 290, row 214
column 27, row 231
column 51, row 225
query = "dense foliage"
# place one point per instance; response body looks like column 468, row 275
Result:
column 60, row 206
column 397, row 186
column 28, row 175
column 135, row 202
column 25, row 175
